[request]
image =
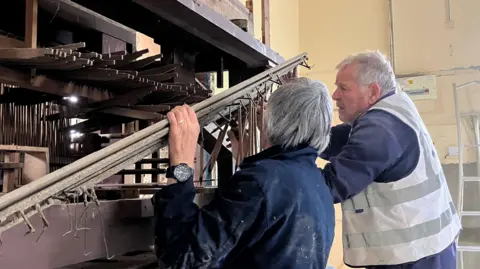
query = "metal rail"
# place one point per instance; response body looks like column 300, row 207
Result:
column 474, row 115
column 80, row 176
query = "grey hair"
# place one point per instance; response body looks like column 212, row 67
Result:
column 372, row 66
column 300, row 112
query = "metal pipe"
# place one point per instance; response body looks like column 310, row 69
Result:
column 448, row 11
column 460, row 153
column 468, row 84
column 476, row 130
column 391, row 33
column 132, row 148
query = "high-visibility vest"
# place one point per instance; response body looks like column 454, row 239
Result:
column 405, row 220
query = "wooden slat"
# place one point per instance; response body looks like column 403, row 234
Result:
column 96, row 123
column 140, row 63
column 102, row 62
column 131, row 57
column 152, row 108
column 121, row 52
column 22, row 148
column 216, row 150
column 78, row 45
column 130, row 113
column 24, row 53
column 162, row 77
column 94, row 72
column 160, row 70
column 11, row 165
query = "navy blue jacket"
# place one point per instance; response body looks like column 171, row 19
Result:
column 276, row 212
column 380, row 148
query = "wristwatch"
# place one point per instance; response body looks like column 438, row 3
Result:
column 180, row 173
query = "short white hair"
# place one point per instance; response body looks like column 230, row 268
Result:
column 300, row 113
column 372, row 66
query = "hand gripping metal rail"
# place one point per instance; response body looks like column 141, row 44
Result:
column 80, row 176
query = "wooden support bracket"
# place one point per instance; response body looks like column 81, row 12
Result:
column 31, row 15
column 266, row 22
column 21, row 165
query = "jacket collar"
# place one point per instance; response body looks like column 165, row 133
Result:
column 280, row 153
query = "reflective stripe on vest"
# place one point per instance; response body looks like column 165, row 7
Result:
column 406, row 220
column 401, row 236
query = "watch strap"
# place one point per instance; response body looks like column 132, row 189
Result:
column 169, row 172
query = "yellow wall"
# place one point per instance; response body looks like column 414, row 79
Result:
column 284, row 25
column 425, row 43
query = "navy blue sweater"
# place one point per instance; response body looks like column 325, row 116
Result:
column 276, row 212
column 380, row 148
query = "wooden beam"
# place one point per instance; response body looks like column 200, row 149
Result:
column 213, row 28
column 232, row 10
column 79, row 15
column 111, row 44
column 266, row 22
column 47, row 85
column 31, row 19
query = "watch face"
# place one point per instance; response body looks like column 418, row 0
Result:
column 182, row 172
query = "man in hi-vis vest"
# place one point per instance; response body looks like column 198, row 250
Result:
column 384, row 169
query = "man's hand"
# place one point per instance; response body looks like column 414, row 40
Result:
column 184, row 131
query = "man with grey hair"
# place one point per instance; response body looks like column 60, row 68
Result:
column 384, row 169
column 275, row 212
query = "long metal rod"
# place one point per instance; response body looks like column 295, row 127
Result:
column 448, row 11
column 476, row 126
column 96, row 166
column 391, row 33
column 460, row 151
column 460, row 165
column 468, row 84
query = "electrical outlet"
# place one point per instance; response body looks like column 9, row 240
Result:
column 453, row 151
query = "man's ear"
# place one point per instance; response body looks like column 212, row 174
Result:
column 374, row 93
